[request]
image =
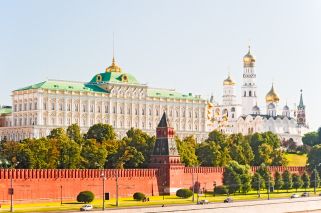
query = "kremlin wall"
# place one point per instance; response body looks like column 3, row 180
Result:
column 32, row 185
column 165, row 176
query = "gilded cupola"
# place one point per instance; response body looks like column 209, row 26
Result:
column 248, row 59
column 272, row 96
column 113, row 67
column 228, row 81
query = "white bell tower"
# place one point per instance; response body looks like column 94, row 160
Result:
column 249, row 95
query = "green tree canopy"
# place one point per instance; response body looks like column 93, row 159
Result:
column 101, row 132
column 187, row 150
column 287, row 179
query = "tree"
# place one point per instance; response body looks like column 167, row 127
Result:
column 74, row 133
column 240, row 150
column 297, row 181
column 287, row 178
column 266, row 175
column 142, row 142
column 278, row 181
column 93, row 154
column 314, row 159
column 186, row 149
column 306, row 180
column 208, row 154
column 101, row 132
column 237, row 177
column 310, row 138
column 258, row 182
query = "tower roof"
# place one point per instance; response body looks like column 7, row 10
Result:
column 301, row 104
column 249, row 59
column 113, row 67
column 228, row 81
column 164, row 121
column 272, row 96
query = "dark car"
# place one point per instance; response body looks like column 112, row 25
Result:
column 202, row 202
column 228, row 200
column 305, row 194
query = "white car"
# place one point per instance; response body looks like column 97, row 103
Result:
column 295, row 196
column 86, row 207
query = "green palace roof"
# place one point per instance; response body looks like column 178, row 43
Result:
column 5, row 110
column 165, row 93
column 114, row 77
column 63, row 85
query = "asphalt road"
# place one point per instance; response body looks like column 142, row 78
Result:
column 312, row 204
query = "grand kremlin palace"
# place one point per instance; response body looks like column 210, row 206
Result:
column 113, row 97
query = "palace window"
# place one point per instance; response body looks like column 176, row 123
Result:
column 136, row 111
column 91, row 108
column 60, row 107
column 150, row 112
column 30, row 106
column 52, row 106
column 106, row 109
column 98, row 109
column 36, row 106
column 114, row 110
column 76, row 107
column 143, row 111
column 25, row 107
column 68, row 107
column 84, row 108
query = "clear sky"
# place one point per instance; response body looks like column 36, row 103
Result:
column 181, row 44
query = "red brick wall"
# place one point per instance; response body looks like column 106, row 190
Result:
column 47, row 185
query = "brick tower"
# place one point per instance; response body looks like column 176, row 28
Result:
column 165, row 157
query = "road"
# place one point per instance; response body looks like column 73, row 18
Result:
column 312, row 204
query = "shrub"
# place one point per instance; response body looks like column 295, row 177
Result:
column 221, row 190
column 85, row 197
column 184, row 193
column 138, row 196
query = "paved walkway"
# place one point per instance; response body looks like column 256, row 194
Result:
column 271, row 206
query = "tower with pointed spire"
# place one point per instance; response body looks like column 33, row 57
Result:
column 165, row 157
column 249, row 97
column 301, row 119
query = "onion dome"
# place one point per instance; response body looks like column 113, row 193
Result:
column 248, row 59
column 272, row 96
column 256, row 110
column 286, row 108
column 228, row 81
column 113, row 67
column 271, row 106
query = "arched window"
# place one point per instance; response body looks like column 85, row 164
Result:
column 250, row 93
column 244, row 93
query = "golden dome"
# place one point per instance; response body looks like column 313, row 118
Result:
column 228, row 81
column 113, row 67
column 272, row 96
column 249, row 59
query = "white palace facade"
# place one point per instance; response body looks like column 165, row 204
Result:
column 112, row 97
column 117, row 98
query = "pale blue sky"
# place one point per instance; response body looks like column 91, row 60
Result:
column 186, row 45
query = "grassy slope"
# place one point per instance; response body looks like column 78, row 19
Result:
column 296, row 160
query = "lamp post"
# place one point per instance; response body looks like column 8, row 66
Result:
column 214, row 186
column 116, row 188
column 103, row 177
column 11, row 190
column 269, row 187
column 315, row 178
column 60, row 194
column 193, row 186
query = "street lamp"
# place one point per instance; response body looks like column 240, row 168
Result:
column 214, row 186
column 116, row 174
column 103, row 177
column 315, row 178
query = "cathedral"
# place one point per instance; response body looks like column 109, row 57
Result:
column 117, row 98
column 247, row 117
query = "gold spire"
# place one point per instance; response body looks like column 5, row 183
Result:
column 113, row 67
column 272, row 96
column 228, row 81
column 249, row 59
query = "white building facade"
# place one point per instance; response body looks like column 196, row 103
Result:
column 247, row 117
column 113, row 97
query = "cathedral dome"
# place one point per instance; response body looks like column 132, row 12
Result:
column 249, row 59
column 271, row 106
column 286, row 108
column 256, row 110
column 272, row 96
column 228, row 81
column 113, row 67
